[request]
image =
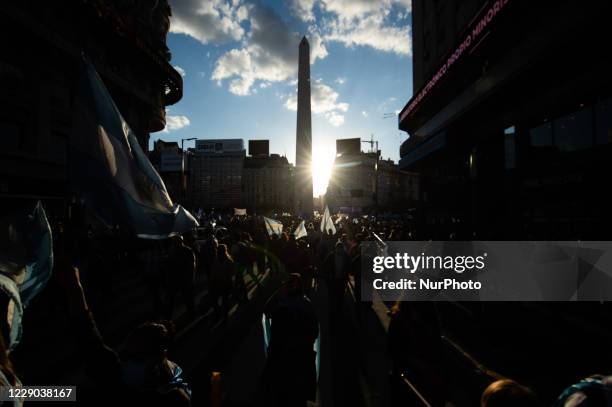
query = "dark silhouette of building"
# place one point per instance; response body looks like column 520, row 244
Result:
column 303, row 139
column 40, row 66
column 361, row 182
column 267, row 184
column 215, row 174
column 510, row 129
column 168, row 159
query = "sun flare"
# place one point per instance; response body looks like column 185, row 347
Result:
column 322, row 163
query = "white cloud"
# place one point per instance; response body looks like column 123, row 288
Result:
column 180, row 70
column 366, row 23
column 269, row 53
column 364, row 113
column 302, row 9
column 335, row 119
column 175, row 123
column 324, row 101
column 208, row 21
column 340, row 80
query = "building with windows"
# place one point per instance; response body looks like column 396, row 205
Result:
column 511, row 128
column 167, row 158
column 215, row 169
column 361, row 182
column 267, row 184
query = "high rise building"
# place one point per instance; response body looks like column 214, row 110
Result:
column 510, row 135
column 303, row 142
column 215, row 174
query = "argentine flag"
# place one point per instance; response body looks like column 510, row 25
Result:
column 111, row 172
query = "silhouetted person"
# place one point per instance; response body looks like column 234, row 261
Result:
column 290, row 373
column 179, row 276
column 221, row 281
column 143, row 375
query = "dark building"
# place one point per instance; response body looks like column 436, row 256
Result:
column 215, row 174
column 361, row 182
column 510, row 128
column 267, row 184
column 40, row 67
column 259, row 148
column 168, row 159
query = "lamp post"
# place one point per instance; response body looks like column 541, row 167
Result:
column 183, row 180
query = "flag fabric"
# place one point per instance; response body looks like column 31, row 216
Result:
column 273, row 227
column 111, row 172
column 326, row 222
column 26, row 261
column 240, row 212
column 300, row 231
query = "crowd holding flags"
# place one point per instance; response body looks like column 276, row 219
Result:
column 112, row 173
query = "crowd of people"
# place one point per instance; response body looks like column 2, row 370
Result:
column 229, row 253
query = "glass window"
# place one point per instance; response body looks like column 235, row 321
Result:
column 575, row 131
column 541, row 136
column 603, row 122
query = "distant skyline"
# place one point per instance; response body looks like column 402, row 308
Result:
column 239, row 63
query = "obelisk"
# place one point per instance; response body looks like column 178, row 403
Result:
column 303, row 138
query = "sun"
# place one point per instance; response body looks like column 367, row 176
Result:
column 322, row 164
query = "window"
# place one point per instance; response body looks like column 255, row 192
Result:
column 575, row 131
column 541, row 136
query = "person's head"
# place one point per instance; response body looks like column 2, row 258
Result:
column 293, row 285
column 339, row 248
column 507, row 393
column 145, row 356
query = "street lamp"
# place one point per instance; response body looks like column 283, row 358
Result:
column 183, row 180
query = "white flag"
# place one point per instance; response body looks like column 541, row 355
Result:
column 273, row 227
column 326, row 222
column 300, row 231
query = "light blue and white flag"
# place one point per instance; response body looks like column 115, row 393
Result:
column 273, row 227
column 26, row 261
column 300, row 231
column 111, row 172
column 327, row 223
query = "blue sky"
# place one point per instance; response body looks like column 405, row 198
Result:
column 239, row 64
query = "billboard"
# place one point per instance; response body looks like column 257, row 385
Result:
column 258, row 148
column 348, row 146
column 218, row 146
